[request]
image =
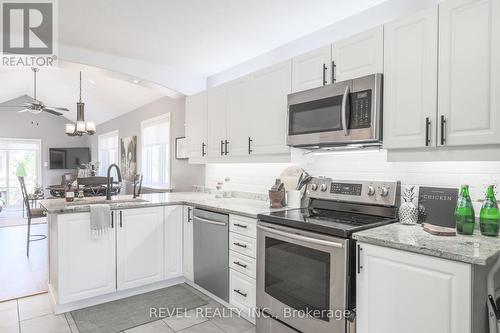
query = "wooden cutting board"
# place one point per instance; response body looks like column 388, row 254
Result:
column 438, row 230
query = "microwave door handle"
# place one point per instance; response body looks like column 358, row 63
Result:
column 345, row 107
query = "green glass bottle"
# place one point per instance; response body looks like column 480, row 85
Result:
column 464, row 212
column 489, row 217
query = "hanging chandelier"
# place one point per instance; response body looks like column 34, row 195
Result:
column 81, row 126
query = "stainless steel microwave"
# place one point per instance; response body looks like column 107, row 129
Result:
column 339, row 114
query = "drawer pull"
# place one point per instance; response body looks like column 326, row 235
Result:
column 239, row 264
column 240, row 225
column 240, row 245
column 239, row 292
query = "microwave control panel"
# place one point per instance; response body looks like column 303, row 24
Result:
column 361, row 109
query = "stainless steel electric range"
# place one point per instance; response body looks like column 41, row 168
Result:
column 306, row 258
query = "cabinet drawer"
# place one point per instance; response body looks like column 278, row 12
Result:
column 242, row 290
column 242, row 264
column 243, row 225
column 242, row 244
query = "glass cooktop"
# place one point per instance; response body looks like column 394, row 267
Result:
column 331, row 222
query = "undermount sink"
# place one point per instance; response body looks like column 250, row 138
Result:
column 84, row 202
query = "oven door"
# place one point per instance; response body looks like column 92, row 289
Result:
column 301, row 278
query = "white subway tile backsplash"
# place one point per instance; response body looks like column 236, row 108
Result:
column 368, row 165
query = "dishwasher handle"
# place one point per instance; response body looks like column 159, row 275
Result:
column 201, row 219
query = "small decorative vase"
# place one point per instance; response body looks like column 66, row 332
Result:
column 408, row 212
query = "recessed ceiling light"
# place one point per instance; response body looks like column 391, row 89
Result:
column 92, row 81
column 136, row 81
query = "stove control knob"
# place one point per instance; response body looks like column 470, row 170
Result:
column 323, row 187
column 371, row 191
column 384, row 191
column 314, row 187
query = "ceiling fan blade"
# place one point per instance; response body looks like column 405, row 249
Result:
column 12, row 106
column 56, row 108
column 54, row 112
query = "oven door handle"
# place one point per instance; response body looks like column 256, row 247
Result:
column 301, row 238
column 345, row 107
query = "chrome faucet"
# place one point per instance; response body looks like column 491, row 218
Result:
column 108, row 184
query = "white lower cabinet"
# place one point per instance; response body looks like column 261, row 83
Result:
column 139, row 247
column 173, row 241
column 242, row 291
column 399, row 291
column 86, row 264
column 187, row 252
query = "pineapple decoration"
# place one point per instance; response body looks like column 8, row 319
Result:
column 408, row 212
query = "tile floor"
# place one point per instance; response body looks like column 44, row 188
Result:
column 34, row 315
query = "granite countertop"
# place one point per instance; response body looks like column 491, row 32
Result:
column 475, row 249
column 240, row 206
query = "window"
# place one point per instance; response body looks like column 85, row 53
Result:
column 155, row 143
column 107, row 145
column 18, row 156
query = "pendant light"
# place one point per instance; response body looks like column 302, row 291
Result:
column 81, row 126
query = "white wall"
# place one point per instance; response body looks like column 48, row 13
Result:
column 371, row 165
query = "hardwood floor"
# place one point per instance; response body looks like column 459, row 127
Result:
column 15, row 218
column 19, row 275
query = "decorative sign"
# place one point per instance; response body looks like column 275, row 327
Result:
column 436, row 206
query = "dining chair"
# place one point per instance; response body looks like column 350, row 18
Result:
column 33, row 213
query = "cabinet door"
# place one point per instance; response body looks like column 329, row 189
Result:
column 312, row 70
column 410, row 80
column 216, row 106
column 469, row 72
column 173, row 241
column 86, row 263
column 196, row 125
column 139, row 247
column 359, row 55
column 238, row 115
column 399, row 291
column 270, row 88
column 187, row 257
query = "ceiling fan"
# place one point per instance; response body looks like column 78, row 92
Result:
column 36, row 106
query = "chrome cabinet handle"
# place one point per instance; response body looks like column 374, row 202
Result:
column 112, row 219
column 221, row 147
column 345, row 106
column 301, row 238
column 200, row 219
column 443, row 129
column 240, row 225
column 333, row 71
column 427, row 131
column 239, row 264
column 250, row 145
column 241, row 245
column 324, row 74
column 203, row 145
column 240, row 292
column 190, row 217
column 359, row 259
column 225, row 149
column 121, row 219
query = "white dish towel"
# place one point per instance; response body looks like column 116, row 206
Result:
column 100, row 219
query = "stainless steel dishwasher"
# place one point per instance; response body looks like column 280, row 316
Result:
column 211, row 252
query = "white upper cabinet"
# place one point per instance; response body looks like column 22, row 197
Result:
column 410, row 80
column 216, row 106
column 312, row 70
column 173, row 241
column 86, row 264
column 359, row 55
column 469, row 72
column 421, row 293
column 196, row 125
column 270, row 88
column 238, row 116
column 139, row 247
